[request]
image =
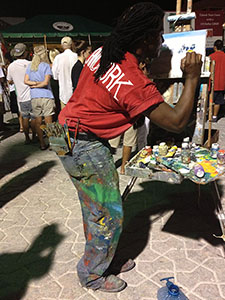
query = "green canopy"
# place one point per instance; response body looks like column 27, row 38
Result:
column 56, row 26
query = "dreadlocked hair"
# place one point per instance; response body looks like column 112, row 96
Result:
column 133, row 26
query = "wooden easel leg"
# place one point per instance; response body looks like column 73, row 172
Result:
column 199, row 195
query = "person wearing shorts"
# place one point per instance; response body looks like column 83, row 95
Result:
column 26, row 113
column 15, row 75
column 26, row 110
column 219, row 81
column 129, row 141
column 38, row 76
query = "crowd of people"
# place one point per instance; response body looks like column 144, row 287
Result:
column 35, row 86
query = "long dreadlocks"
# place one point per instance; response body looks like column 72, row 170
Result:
column 134, row 25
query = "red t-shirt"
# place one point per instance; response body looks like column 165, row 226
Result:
column 219, row 81
column 111, row 106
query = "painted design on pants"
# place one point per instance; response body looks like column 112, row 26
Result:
column 93, row 172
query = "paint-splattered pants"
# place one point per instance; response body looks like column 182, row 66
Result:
column 95, row 177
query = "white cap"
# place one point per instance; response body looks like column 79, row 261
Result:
column 66, row 40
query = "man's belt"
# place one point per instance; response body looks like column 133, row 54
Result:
column 84, row 136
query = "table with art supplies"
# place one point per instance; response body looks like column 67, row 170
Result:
column 173, row 164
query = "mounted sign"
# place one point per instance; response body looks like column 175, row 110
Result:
column 62, row 26
column 210, row 20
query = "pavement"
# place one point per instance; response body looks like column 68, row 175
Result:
column 166, row 231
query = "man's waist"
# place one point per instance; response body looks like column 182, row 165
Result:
column 84, row 136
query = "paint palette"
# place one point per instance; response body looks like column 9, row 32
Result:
column 167, row 169
column 146, row 165
column 202, row 157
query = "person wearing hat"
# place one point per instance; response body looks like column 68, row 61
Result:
column 15, row 74
column 61, row 69
column 38, row 76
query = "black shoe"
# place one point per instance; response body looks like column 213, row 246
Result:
column 44, row 147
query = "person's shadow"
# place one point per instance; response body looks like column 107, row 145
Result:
column 18, row 269
column 22, row 182
column 189, row 219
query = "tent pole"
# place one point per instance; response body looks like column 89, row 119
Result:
column 45, row 42
column 89, row 39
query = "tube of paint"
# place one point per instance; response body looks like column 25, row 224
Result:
column 171, row 151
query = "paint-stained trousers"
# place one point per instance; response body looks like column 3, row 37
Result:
column 93, row 172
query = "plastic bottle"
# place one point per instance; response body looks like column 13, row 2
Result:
column 170, row 291
column 155, row 150
column 186, row 140
column 214, row 150
column 163, row 149
column 221, row 157
column 185, row 153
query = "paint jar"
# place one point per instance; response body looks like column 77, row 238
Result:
column 186, row 140
column 155, row 150
column 199, row 171
column 214, row 150
column 163, row 149
column 185, row 153
column 146, row 151
column 192, row 152
column 221, row 157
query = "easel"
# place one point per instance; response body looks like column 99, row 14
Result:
column 198, row 136
column 182, row 22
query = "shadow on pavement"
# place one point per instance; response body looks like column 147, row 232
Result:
column 22, row 182
column 18, row 269
column 143, row 208
column 10, row 128
column 6, row 134
column 14, row 157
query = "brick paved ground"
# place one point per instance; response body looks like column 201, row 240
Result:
column 41, row 235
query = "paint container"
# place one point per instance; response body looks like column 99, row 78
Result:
column 142, row 165
column 146, row 151
column 171, row 151
column 185, row 153
column 178, row 153
column 152, row 163
column 186, row 140
column 155, row 150
column 163, row 149
column 199, row 171
column 192, row 152
column 221, row 157
column 214, row 150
